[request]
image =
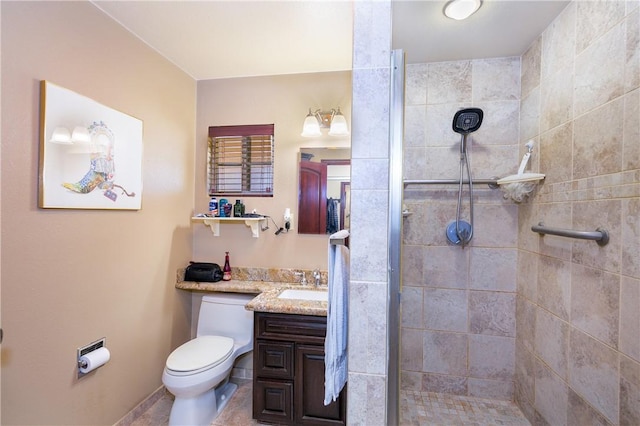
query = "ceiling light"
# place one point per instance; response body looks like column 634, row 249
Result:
column 333, row 120
column 461, row 9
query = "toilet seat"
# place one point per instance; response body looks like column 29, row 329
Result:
column 199, row 354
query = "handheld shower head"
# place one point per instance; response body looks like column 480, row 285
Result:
column 467, row 120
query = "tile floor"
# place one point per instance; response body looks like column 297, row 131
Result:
column 417, row 408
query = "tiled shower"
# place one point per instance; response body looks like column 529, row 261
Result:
column 551, row 322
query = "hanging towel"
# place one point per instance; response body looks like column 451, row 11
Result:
column 335, row 347
column 332, row 216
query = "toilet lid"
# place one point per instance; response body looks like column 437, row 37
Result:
column 201, row 352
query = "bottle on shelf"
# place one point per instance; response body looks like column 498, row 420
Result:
column 226, row 270
column 213, row 207
column 237, row 209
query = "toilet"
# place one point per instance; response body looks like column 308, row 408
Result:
column 197, row 373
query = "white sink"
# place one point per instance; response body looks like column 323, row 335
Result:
column 316, row 295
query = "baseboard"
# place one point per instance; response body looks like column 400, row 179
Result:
column 141, row 408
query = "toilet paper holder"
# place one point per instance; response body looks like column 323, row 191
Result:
column 100, row 343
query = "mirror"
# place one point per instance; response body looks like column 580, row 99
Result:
column 324, row 190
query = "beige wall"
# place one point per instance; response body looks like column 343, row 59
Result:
column 578, row 339
column 72, row 276
column 283, row 100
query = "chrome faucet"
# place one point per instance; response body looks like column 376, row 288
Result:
column 303, row 280
column 316, row 276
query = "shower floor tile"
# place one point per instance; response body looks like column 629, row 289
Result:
column 416, row 408
column 430, row 408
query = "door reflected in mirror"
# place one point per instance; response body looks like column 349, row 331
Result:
column 324, row 190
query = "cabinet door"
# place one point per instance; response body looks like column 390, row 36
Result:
column 273, row 359
column 309, row 385
column 273, row 401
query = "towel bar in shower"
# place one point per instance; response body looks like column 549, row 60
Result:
column 600, row 236
column 493, row 183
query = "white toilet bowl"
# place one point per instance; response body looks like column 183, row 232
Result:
column 197, row 373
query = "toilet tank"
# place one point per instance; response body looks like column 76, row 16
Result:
column 223, row 314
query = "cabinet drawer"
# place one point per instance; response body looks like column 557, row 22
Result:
column 297, row 328
column 273, row 359
column 273, row 401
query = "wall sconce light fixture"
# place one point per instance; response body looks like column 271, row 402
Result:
column 332, row 120
column 461, row 9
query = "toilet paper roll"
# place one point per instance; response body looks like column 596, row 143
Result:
column 94, row 359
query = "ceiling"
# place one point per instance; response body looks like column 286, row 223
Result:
column 238, row 38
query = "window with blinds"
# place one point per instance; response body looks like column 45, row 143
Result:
column 241, row 160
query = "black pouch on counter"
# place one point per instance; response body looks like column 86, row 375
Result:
column 203, row 272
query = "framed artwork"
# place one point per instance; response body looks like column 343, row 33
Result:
column 90, row 154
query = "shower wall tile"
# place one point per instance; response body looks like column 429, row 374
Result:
column 454, row 385
column 525, row 323
column 410, row 380
column 552, row 342
column 580, row 413
column 593, row 373
column 528, row 215
column 632, row 67
column 446, row 267
column 629, row 391
column 413, row 163
column 556, row 99
column 559, row 41
column 556, row 215
column 414, row 126
column 484, row 79
column 445, row 353
column 371, row 101
column 367, row 400
column 589, row 216
column 595, row 299
column 372, row 173
column 631, row 131
column 366, row 214
column 495, row 225
column 491, row 357
column 367, row 327
column 531, row 67
column 629, row 318
column 492, row 269
column 600, row 70
column 415, row 92
column 596, row 18
column 411, row 350
column 441, row 163
column 498, row 124
column 438, row 126
column 527, row 275
column 445, row 309
column 556, row 150
column 412, row 265
column 530, row 115
column 524, row 381
column 554, row 286
column 372, row 35
column 412, row 307
column 501, row 160
column 492, row 313
column 449, row 82
column 551, row 396
column 493, row 389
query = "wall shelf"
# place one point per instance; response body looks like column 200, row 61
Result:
column 214, row 223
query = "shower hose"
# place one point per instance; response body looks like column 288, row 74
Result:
column 464, row 235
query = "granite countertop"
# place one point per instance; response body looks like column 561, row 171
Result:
column 266, row 299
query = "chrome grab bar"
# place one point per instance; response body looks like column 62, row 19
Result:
column 600, row 236
column 493, row 183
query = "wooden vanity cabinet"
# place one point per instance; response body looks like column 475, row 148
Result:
column 288, row 370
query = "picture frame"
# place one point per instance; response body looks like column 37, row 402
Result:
column 90, row 154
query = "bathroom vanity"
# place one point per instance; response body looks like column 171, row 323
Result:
column 288, row 368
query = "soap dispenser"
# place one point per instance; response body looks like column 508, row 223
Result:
column 226, row 270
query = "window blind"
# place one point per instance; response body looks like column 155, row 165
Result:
column 241, row 160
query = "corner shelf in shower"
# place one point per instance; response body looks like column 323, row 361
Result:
column 214, row 223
